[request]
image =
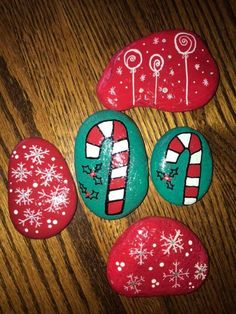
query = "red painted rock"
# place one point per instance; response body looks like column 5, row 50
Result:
column 157, row 256
column 170, row 70
column 41, row 191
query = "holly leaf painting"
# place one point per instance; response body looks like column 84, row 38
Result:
column 160, row 174
column 173, row 172
column 93, row 195
column 98, row 167
column 82, row 188
column 169, row 185
column 97, row 180
column 86, row 169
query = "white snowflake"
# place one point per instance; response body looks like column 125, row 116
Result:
column 112, row 90
column 172, row 72
column 56, row 199
column 172, row 242
column 140, row 253
column 119, row 70
column 142, row 77
column 48, row 174
column 176, row 274
column 133, row 283
column 21, row 173
column 205, row 82
column 200, row 272
column 32, row 217
column 170, row 96
column 197, row 66
column 36, row 154
column 155, row 41
column 23, row 196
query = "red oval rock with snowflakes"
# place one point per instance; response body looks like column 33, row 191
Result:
column 41, row 192
column 170, row 70
column 157, row 256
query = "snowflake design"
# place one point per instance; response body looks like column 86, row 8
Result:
column 172, row 72
column 197, row 66
column 119, row 70
column 32, row 217
column 23, row 196
column 143, row 233
column 200, row 272
column 140, row 253
column 36, row 154
column 133, row 283
column 155, row 41
column 176, row 274
column 56, row 199
column 142, row 77
column 21, row 173
column 169, row 96
column 48, row 174
column 172, row 242
column 112, row 90
column 205, row 82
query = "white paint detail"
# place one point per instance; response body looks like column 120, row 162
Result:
column 189, row 200
column 120, row 146
column 92, row 151
column 196, row 158
column 119, row 172
column 185, row 139
column 192, row 181
column 106, row 128
column 171, row 156
column 116, row 195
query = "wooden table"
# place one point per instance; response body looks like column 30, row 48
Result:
column 52, row 54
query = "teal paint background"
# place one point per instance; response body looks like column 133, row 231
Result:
column 137, row 182
column 175, row 196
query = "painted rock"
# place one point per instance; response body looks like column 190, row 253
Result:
column 111, row 164
column 41, row 192
column 157, row 256
column 170, row 70
column 181, row 166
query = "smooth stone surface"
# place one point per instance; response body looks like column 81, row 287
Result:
column 111, row 164
column 170, row 70
column 41, row 191
column 157, row 256
column 181, row 166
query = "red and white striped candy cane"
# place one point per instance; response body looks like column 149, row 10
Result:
column 178, row 144
column 118, row 171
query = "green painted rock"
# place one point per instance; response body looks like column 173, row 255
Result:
column 181, row 166
column 111, row 164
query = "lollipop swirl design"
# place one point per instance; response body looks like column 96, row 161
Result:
column 185, row 44
column 132, row 60
column 156, row 63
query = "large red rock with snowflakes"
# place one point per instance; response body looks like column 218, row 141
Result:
column 171, row 70
column 41, row 192
column 157, row 256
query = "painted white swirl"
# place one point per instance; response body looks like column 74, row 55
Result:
column 133, row 59
column 185, row 43
column 156, row 63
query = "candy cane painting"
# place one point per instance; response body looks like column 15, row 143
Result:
column 156, row 63
column 181, row 166
column 132, row 60
column 118, row 172
column 185, row 44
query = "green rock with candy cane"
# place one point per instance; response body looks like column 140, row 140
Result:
column 181, row 166
column 111, row 164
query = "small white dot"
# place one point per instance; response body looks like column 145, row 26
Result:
column 191, row 249
column 144, row 44
column 150, row 268
column 17, row 156
column 202, row 49
column 186, row 254
column 126, row 87
column 32, row 167
column 49, row 221
column 194, row 82
column 165, row 90
column 193, row 287
column 49, row 226
column 147, row 51
column 55, row 222
column 179, row 81
column 164, row 40
column 10, row 190
column 190, row 283
column 119, row 268
column 117, row 263
column 121, row 82
column 154, row 245
column 24, row 146
column 26, row 229
column 122, row 264
column 140, row 231
column 169, row 57
column 63, row 213
column 211, row 73
column 61, row 167
column 15, row 212
column 208, row 61
column 65, row 181
column 35, row 184
column 164, row 80
column 36, row 231
column 190, row 242
column 153, row 286
column 161, row 264
column 162, row 49
column 196, row 57
column 153, row 280
column 195, row 92
column 178, row 64
column 53, row 158
column 14, row 152
column 203, row 72
column 157, row 283
column 39, row 203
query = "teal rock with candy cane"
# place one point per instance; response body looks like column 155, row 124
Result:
column 111, row 164
column 181, row 166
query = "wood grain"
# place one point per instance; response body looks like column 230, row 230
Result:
column 52, row 54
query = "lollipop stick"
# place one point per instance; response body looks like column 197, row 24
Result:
column 155, row 101
column 133, row 87
column 186, row 78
